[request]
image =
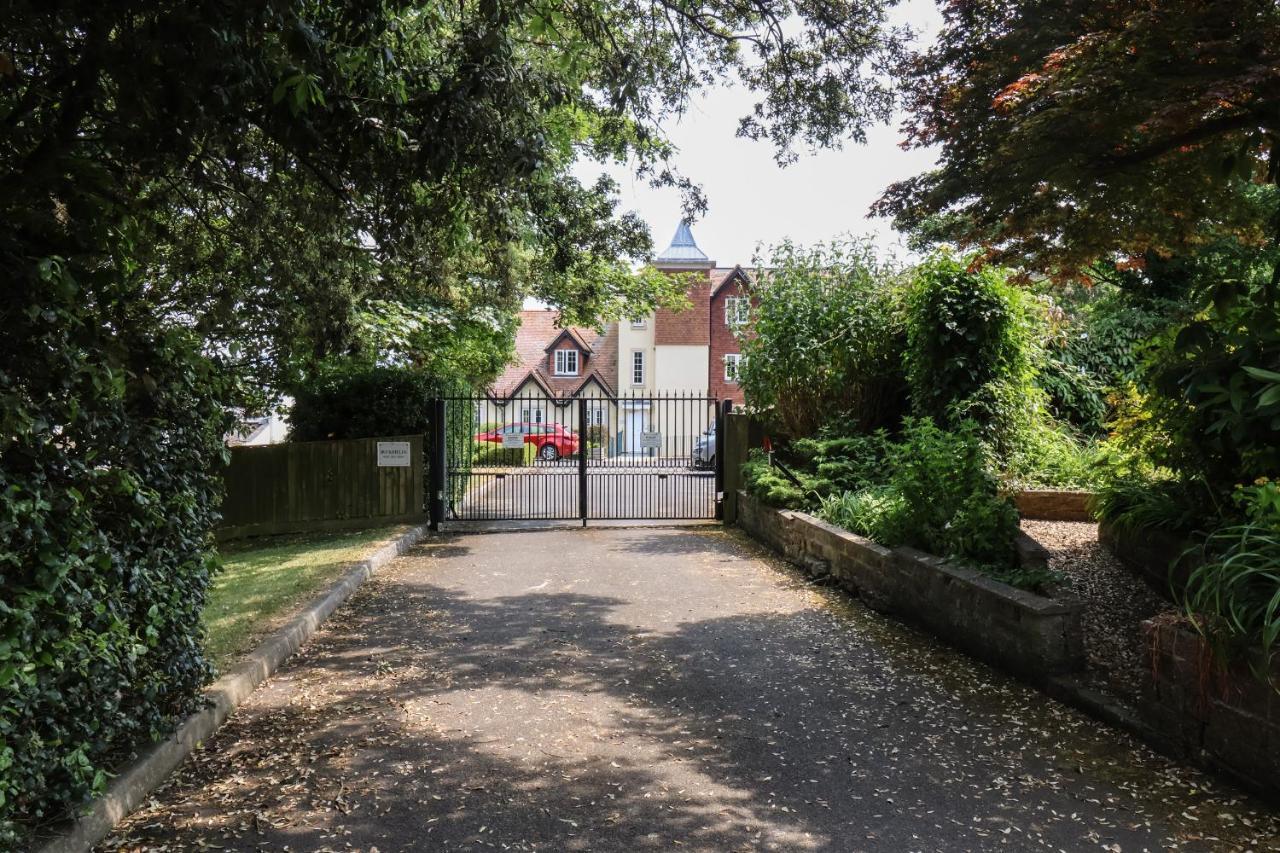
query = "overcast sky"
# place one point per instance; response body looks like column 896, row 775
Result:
column 751, row 199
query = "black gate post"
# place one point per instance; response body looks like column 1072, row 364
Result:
column 582, row 459
column 439, row 463
column 722, row 423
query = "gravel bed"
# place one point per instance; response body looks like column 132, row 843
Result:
column 1116, row 600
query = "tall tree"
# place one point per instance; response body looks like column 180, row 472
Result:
column 1075, row 130
column 193, row 190
column 276, row 161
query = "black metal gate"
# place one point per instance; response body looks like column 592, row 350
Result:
column 534, row 456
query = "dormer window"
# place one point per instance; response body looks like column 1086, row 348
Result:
column 566, row 362
column 737, row 311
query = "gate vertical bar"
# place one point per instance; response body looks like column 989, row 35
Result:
column 438, row 469
column 722, row 423
column 583, row 432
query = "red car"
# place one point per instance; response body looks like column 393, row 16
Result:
column 552, row 440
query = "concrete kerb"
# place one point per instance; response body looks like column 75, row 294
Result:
column 131, row 788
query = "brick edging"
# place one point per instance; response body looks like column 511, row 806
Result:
column 1054, row 504
column 138, row 779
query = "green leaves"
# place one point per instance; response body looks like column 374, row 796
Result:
column 1065, row 139
column 300, row 90
column 826, row 338
column 1233, row 595
column 970, row 348
column 91, row 574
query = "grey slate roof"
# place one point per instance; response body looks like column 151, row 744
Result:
column 683, row 249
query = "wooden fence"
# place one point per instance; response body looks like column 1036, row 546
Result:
column 323, row 485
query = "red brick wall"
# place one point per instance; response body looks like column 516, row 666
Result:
column 685, row 327
column 1224, row 717
column 723, row 342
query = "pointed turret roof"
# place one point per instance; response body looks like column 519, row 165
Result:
column 683, row 251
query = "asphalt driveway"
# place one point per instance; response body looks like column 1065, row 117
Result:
column 659, row 689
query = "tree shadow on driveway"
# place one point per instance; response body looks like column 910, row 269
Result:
column 431, row 715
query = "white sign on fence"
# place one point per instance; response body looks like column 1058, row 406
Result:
column 393, row 454
column 513, row 441
column 650, row 440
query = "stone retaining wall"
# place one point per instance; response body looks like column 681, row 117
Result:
column 1151, row 553
column 1053, row 505
column 1226, row 719
column 1009, row 627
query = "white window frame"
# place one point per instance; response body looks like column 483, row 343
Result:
column 734, row 359
column 638, row 367
column 532, row 416
column 562, row 362
column 737, row 310
column 595, row 414
column 638, row 322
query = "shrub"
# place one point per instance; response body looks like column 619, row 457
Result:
column 1216, row 390
column 940, row 497
column 1207, row 408
column 865, row 512
column 109, row 485
column 358, row 400
column 492, row 454
column 950, row 500
column 1051, row 455
column 826, row 339
column 844, row 462
column 767, row 482
column 361, row 401
column 1095, row 345
column 970, row 349
column 825, row 465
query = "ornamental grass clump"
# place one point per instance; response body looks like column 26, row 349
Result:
column 1233, row 597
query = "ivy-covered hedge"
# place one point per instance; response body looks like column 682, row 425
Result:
column 970, row 352
column 112, row 441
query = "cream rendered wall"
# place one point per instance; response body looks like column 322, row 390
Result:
column 629, row 340
column 528, row 396
column 681, row 369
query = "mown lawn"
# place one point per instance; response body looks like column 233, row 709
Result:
column 264, row 581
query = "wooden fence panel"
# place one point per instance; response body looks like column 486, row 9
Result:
column 320, row 485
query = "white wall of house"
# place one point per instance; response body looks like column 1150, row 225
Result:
column 532, row 405
column 681, row 368
column 630, row 340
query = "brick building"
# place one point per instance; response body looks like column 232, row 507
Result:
column 695, row 350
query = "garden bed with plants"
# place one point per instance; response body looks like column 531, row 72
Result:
column 914, row 410
column 1016, row 629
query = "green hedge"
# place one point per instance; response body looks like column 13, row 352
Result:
column 109, row 484
column 489, row 453
column 357, row 400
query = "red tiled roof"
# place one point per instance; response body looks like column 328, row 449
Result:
column 537, row 332
column 720, row 276
column 574, row 336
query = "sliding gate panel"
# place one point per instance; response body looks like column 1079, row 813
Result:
column 536, row 456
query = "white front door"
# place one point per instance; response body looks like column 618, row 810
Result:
column 635, row 426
